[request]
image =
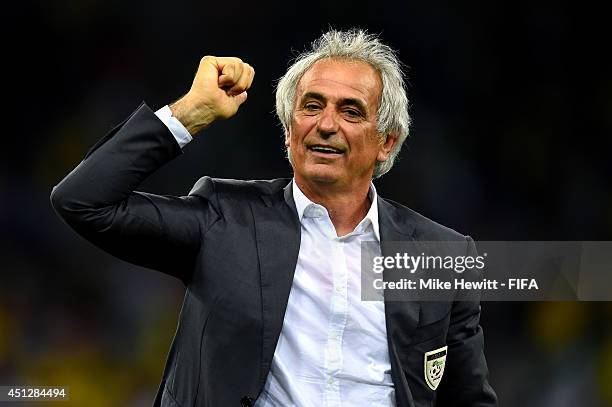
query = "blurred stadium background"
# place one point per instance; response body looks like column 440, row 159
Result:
column 512, row 110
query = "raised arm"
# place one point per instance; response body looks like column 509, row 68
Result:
column 98, row 199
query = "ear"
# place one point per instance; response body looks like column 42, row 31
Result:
column 387, row 146
column 287, row 137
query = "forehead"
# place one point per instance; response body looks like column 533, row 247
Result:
column 336, row 78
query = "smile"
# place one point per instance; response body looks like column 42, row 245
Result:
column 325, row 149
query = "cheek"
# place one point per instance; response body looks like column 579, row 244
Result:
column 365, row 141
column 296, row 140
column 303, row 125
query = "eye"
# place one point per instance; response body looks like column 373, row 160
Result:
column 352, row 113
column 311, row 106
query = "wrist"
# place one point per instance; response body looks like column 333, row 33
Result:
column 192, row 117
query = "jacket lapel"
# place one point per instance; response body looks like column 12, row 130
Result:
column 277, row 231
column 278, row 236
column 401, row 317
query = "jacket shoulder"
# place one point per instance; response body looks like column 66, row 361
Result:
column 424, row 228
column 206, row 187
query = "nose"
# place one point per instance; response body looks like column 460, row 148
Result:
column 327, row 124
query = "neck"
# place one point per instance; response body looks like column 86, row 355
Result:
column 346, row 207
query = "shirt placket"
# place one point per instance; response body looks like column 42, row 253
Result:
column 337, row 324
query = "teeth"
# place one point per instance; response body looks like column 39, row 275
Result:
column 325, row 149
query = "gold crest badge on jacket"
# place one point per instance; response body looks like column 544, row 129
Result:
column 434, row 366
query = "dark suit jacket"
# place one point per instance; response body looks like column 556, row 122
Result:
column 235, row 245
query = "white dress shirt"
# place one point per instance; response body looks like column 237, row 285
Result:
column 180, row 133
column 332, row 350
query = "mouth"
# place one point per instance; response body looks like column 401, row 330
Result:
column 325, row 150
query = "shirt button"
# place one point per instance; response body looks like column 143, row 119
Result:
column 330, row 380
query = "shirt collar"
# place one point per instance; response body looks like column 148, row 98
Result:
column 302, row 203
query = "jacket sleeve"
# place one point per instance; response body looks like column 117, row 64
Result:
column 97, row 199
column 465, row 381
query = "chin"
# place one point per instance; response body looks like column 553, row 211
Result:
column 323, row 175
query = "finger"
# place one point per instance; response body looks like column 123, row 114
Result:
column 226, row 81
column 208, row 70
column 231, row 69
column 228, row 76
column 244, row 81
column 251, row 75
column 241, row 98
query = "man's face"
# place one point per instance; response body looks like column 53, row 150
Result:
column 332, row 138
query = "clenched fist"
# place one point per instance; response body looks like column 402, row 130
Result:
column 218, row 90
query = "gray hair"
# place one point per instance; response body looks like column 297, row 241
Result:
column 354, row 45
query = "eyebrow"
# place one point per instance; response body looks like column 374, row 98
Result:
column 342, row 102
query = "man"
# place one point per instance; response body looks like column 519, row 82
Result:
column 272, row 314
